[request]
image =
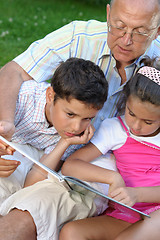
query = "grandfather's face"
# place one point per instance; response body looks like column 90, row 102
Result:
column 139, row 16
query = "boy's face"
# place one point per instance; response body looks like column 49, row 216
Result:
column 69, row 118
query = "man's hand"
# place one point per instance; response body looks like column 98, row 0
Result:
column 7, row 129
column 7, row 167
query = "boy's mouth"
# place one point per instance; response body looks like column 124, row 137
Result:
column 68, row 134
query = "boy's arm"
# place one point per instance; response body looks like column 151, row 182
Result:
column 52, row 160
column 78, row 165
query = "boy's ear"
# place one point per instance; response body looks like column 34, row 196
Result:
column 50, row 95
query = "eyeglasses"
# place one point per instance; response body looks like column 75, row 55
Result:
column 135, row 36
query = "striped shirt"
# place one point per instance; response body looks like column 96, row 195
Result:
column 30, row 121
column 87, row 40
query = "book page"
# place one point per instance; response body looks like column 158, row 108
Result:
column 70, row 181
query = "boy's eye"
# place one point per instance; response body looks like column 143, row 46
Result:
column 88, row 119
column 70, row 114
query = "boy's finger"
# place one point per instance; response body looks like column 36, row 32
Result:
column 4, row 174
column 8, row 149
column 8, row 163
column 2, row 145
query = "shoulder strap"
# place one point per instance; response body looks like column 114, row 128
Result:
column 123, row 125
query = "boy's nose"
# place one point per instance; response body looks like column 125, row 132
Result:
column 76, row 125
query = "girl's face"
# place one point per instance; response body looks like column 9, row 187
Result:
column 70, row 118
column 143, row 118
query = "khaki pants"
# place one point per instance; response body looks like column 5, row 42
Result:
column 15, row 182
column 49, row 202
column 51, row 205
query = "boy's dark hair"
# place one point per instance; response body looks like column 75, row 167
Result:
column 80, row 79
column 142, row 87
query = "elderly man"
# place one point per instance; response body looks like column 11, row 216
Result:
column 131, row 32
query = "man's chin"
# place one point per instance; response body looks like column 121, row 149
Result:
column 124, row 59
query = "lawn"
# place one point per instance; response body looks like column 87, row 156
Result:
column 24, row 21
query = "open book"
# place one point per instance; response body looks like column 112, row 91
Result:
column 70, row 181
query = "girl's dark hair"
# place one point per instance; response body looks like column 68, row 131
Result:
column 142, row 87
column 80, row 79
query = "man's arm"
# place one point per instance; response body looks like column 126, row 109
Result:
column 11, row 78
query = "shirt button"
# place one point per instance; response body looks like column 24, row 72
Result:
column 111, row 97
column 102, row 118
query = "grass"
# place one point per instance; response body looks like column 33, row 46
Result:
column 24, row 21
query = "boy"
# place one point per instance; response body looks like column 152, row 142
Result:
column 55, row 117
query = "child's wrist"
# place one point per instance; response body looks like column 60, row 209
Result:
column 115, row 177
column 64, row 142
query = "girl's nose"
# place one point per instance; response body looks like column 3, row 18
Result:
column 137, row 125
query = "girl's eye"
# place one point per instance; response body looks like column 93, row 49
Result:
column 148, row 123
column 132, row 114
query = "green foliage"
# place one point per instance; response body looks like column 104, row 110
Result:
column 97, row 2
column 22, row 22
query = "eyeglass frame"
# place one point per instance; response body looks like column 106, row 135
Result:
column 131, row 33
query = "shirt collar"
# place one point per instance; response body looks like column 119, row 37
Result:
column 105, row 50
column 39, row 112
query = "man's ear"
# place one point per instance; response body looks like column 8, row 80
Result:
column 108, row 11
column 158, row 32
column 50, row 93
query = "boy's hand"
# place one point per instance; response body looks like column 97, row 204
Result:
column 7, row 167
column 125, row 195
column 82, row 138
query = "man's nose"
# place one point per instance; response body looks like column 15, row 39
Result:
column 127, row 38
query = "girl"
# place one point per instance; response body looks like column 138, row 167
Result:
column 135, row 141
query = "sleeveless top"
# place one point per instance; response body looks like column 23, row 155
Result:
column 138, row 162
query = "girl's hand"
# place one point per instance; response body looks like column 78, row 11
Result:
column 125, row 195
column 116, row 182
column 82, row 138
